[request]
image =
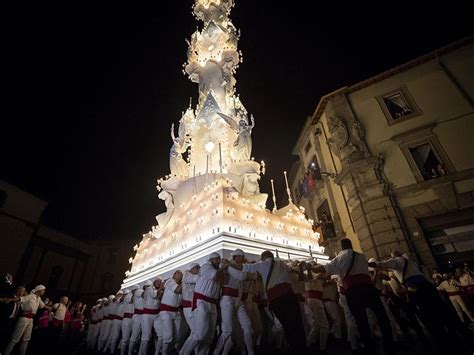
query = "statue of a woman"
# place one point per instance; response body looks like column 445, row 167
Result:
column 243, row 143
column 178, row 166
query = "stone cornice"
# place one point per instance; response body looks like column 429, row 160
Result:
column 425, row 185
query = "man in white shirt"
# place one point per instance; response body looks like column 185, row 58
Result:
column 116, row 313
column 150, row 314
column 106, row 324
column 422, row 294
column 170, row 313
column 23, row 327
column 91, row 330
column 233, row 309
column 453, row 289
column 189, row 282
column 128, row 309
column 281, row 298
column 205, row 299
column 139, row 304
column 59, row 313
column 314, row 300
column 352, row 268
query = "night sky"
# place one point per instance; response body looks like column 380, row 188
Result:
column 95, row 87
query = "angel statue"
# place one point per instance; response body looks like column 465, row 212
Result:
column 178, row 166
column 164, row 217
column 243, row 143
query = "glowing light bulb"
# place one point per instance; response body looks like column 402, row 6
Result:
column 209, row 146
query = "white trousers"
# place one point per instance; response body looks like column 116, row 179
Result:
column 170, row 327
column 188, row 316
column 105, row 328
column 157, row 325
column 332, row 310
column 23, row 328
column 147, row 332
column 127, row 324
column 136, row 331
column 205, row 319
column 233, row 309
column 114, row 335
column 460, row 306
column 320, row 327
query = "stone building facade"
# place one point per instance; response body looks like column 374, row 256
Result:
column 36, row 254
column 389, row 162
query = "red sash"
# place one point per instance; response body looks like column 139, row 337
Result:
column 229, row 291
column 150, row 311
column 76, row 324
column 57, row 322
column 139, row 311
column 356, row 280
column 455, row 293
column 315, row 294
column 187, row 304
column 28, row 315
column 199, row 296
column 127, row 315
column 167, row 308
column 278, row 291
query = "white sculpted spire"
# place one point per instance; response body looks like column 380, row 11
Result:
column 212, row 191
column 217, row 133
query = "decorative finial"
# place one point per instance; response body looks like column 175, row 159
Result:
column 274, row 198
column 287, row 188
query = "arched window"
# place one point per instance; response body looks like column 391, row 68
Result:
column 107, row 282
column 54, row 277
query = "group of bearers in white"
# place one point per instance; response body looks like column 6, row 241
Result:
column 269, row 301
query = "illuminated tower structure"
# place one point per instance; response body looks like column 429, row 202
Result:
column 212, row 193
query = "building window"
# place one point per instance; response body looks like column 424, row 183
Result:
column 107, row 282
column 398, row 106
column 325, row 221
column 424, row 153
column 54, row 277
column 427, row 161
column 307, row 183
column 112, row 255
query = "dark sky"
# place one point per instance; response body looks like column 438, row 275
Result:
column 95, row 87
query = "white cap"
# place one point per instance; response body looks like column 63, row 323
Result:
column 99, row 300
column 372, row 260
column 148, row 283
column 134, row 287
column 119, row 292
column 193, row 265
column 214, row 256
column 237, row 252
column 111, row 297
column 104, row 299
column 126, row 292
column 39, row 288
column 445, row 275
